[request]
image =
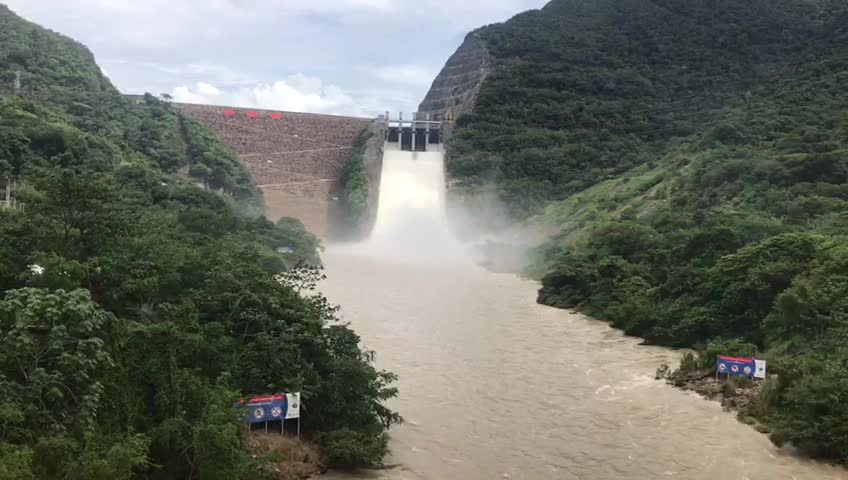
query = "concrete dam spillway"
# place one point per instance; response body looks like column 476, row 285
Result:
column 412, row 198
column 411, row 225
column 493, row 385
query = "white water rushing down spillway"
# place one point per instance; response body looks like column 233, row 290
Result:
column 494, row 386
column 411, row 226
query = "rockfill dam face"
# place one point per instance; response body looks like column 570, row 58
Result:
column 295, row 158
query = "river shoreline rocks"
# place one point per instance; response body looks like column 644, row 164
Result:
column 734, row 395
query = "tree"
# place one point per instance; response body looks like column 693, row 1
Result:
column 53, row 357
column 136, row 307
column 12, row 147
column 202, row 172
column 82, row 207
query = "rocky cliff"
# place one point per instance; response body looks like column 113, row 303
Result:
column 456, row 87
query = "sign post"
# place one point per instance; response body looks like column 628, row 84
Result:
column 272, row 408
column 717, row 369
column 760, row 369
column 265, row 409
column 293, row 411
column 738, row 366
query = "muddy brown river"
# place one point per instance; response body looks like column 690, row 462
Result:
column 494, row 386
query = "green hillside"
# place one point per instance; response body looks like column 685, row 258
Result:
column 56, row 70
column 693, row 155
column 45, row 59
column 136, row 305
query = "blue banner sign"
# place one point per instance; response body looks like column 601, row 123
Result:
column 743, row 367
column 266, row 408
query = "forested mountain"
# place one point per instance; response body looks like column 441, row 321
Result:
column 136, row 305
column 54, row 69
column 693, row 155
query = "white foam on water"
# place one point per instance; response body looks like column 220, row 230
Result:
column 412, row 224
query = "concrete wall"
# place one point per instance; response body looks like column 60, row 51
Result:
column 296, row 160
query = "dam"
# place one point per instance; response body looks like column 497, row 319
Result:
column 495, row 386
column 295, row 158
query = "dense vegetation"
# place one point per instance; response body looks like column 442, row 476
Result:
column 216, row 165
column 693, row 155
column 353, row 185
column 135, row 306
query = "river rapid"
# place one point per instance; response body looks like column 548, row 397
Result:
column 495, row 386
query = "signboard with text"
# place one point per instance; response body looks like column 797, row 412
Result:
column 760, row 369
column 266, row 408
column 737, row 366
column 294, row 405
column 271, row 408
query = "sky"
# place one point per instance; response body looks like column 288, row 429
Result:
column 345, row 57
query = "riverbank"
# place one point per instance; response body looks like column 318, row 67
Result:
column 492, row 383
column 735, row 395
column 274, row 457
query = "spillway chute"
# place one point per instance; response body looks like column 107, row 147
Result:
column 412, row 224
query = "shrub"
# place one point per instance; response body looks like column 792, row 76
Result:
column 346, row 449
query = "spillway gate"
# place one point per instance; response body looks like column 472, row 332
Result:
column 421, row 133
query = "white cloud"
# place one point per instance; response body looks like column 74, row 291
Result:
column 185, row 94
column 244, row 46
column 206, row 89
column 188, row 73
column 406, row 74
column 324, row 6
column 297, row 93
